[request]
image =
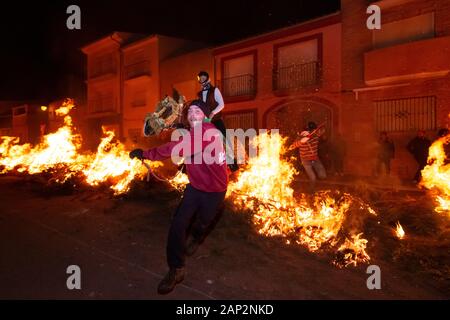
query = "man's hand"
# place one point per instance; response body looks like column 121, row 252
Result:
column 137, row 153
column 212, row 115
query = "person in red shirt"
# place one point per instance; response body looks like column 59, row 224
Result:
column 308, row 146
column 204, row 155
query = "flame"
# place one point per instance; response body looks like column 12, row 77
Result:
column 180, row 181
column 61, row 151
column 354, row 252
column 59, row 148
column 65, row 108
column 399, row 232
column 436, row 175
column 263, row 188
column 112, row 163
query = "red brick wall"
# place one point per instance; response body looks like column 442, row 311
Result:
column 266, row 100
column 358, row 121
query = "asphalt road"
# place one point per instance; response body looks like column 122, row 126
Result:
column 120, row 249
column 35, row 258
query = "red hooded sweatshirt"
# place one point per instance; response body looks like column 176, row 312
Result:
column 204, row 157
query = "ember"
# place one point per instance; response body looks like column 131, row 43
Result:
column 399, row 232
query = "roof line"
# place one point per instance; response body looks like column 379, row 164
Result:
column 304, row 26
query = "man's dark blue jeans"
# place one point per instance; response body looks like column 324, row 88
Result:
column 205, row 207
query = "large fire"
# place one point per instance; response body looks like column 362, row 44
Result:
column 56, row 148
column 61, row 151
column 436, row 175
column 318, row 222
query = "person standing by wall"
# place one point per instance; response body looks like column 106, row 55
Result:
column 324, row 152
column 385, row 153
column 339, row 150
column 418, row 147
column 441, row 134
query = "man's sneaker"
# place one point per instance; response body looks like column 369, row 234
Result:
column 192, row 246
column 172, row 278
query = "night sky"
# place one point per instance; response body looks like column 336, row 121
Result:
column 38, row 49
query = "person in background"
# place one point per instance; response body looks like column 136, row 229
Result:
column 308, row 145
column 339, row 151
column 213, row 98
column 441, row 134
column 418, row 147
column 324, row 152
column 385, row 153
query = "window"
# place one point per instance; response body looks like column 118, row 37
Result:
column 102, row 101
column 20, row 111
column 297, row 53
column 136, row 64
column 102, row 65
column 141, row 68
column 296, row 64
column 403, row 31
column 406, row 114
column 238, row 78
column 135, row 56
column 245, row 120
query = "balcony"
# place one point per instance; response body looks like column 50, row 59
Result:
column 102, row 105
column 137, row 70
column 296, row 76
column 415, row 60
column 242, row 86
column 102, row 71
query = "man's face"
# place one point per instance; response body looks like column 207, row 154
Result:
column 195, row 115
column 421, row 134
column 202, row 79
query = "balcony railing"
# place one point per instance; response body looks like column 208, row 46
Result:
column 238, row 86
column 138, row 69
column 102, row 70
column 102, row 104
column 296, row 76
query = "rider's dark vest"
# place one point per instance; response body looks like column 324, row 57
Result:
column 210, row 101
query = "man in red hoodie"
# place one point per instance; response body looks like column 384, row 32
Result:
column 202, row 149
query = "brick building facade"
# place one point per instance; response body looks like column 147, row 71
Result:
column 330, row 70
column 395, row 79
